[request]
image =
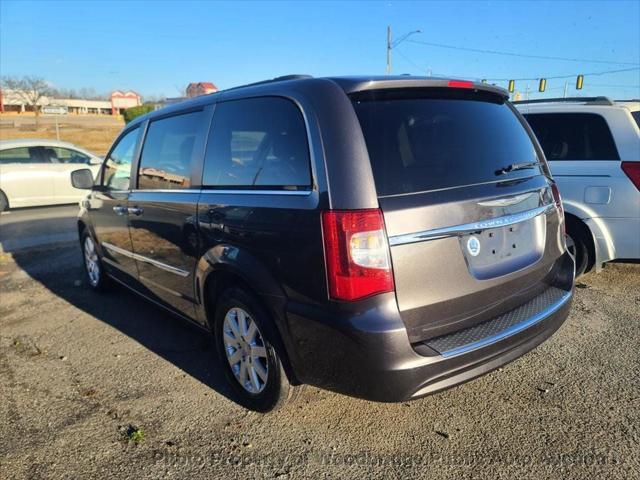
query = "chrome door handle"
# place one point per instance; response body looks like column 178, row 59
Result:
column 135, row 210
column 120, row 210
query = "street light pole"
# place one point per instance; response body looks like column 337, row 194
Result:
column 393, row 44
column 388, row 49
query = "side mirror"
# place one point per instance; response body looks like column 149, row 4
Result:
column 95, row 161
column 82, row 179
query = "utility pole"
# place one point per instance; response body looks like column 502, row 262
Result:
column 388, row 49
column 566, row 85
column 391, row 44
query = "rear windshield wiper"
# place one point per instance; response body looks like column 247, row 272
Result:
column 517, row 166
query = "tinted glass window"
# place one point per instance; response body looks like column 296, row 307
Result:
column 117, row 167
column 166, row 155
column 66, row 155
column 573, row 136
column 259, row 142
column 22, row 155
column 636, row 117
column 441, row 139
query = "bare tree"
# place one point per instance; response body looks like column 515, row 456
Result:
column 29, row 89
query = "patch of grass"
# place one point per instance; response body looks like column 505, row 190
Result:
column 95, row 138
column 26, row 346
column 133, row 434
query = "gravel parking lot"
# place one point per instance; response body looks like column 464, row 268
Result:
column 108, row 386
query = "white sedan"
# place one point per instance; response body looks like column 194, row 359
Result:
column 36, row 172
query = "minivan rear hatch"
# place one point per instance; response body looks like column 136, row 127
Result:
column 467, row 201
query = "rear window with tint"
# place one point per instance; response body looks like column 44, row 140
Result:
column 21, row 155
column 442, row 139
column 573, row 136
column 636, row 117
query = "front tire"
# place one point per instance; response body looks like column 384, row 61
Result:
column 253, row 369
column 96, row 277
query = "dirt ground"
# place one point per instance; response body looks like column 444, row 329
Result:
column 93, row 132
column 108, row 386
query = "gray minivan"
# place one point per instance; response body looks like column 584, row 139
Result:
column 381, row 237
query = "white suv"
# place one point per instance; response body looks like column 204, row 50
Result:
column 592, row 145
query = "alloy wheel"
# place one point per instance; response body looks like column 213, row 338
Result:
column 245, row 349
column 91, row 261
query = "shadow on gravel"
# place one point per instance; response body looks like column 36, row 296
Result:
column 186, row 346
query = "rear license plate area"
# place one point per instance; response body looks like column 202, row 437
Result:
column 493, row 252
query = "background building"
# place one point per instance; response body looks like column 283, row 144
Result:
column 11, row 101
column 200, row 88
column 123, row 100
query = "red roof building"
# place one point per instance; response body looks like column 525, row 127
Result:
column 200, row 88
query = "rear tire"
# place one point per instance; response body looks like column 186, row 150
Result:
column 577, row 246
column 4, row 203
column 96, row 276
column 243, row 335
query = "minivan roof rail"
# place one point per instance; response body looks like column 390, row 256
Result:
column 589, row 100
column 282, row 78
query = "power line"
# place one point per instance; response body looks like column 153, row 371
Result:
column 409, row 60
column 557, row 77
column 523, row 55
column 613, row 86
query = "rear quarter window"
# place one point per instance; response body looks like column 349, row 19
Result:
column 258, row 143
column 442, row 139
column 573, row 136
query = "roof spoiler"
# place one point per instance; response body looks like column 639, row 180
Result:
column 399, row 82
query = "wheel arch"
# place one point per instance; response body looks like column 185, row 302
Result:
column 226, row 266
column 81, row 227
column 574, row 223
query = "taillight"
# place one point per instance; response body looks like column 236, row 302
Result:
column 632, row 169
column 356, row 254
column 558, row 201
column 460, row 84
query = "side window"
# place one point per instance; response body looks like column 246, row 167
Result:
column 573, row 136
column 21, row 155
column 166, row 155
column 116, row 170
column 66, row 155
column 258, row 142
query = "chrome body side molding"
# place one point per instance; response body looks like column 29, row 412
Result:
column 142, row 258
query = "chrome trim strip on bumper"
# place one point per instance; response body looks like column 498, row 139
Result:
column 518, row 327
column 468, row 227
column 142, row 258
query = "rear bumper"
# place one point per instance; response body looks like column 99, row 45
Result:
column 367, row 353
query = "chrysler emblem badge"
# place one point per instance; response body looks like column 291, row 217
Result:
column 473, row 246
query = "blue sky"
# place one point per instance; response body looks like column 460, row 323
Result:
column 158, row 47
